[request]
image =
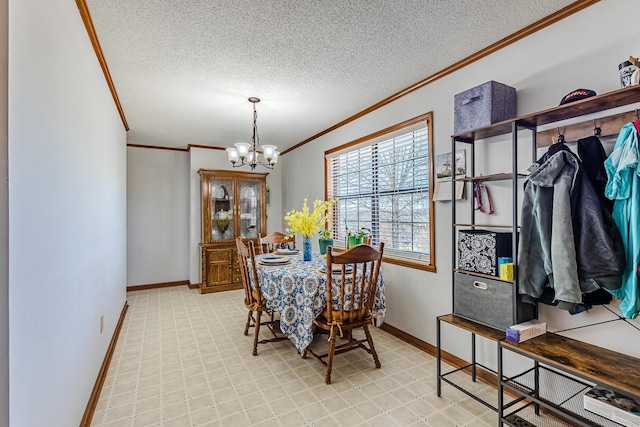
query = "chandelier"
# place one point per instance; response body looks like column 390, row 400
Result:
column 247, row 154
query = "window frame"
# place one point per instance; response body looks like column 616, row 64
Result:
column 427, row 118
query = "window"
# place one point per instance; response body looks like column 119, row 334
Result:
column 382, row 183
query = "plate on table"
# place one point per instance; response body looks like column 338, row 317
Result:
column 273, row 260
column 287, row 251
column 336, row 269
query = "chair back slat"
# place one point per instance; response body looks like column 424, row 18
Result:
column 273, row 240
column 359, row 268
column 246, row 257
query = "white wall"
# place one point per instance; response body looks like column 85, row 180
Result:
column 4, row 220
column 67, row 214
column 144, row 165
column 163, row 207
column 582, row 51
column 201, row 158
column 157, row 216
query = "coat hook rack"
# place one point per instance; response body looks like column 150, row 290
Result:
column 596, row 129
column 607, row 125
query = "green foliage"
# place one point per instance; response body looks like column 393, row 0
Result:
column 325, row 234
column 362, row 233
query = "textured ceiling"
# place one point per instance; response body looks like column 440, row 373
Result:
column 184, row 69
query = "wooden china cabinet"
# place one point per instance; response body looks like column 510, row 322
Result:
column 233, row 205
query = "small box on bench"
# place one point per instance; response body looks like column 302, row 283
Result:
column 526, row 330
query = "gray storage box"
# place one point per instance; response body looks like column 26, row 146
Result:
column 483, row 105
column 488, row 301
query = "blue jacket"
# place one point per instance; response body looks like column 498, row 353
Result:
column 623, row 186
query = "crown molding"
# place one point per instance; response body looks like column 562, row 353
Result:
column 91, row 32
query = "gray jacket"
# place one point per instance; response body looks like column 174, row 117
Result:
column 547, row 253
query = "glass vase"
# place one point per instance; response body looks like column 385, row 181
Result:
column 306, row 248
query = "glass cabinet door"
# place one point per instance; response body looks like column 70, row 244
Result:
column 250, row 206
column 233, row 205
column 222, row 223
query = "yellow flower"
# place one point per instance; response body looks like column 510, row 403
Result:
column 305, row 222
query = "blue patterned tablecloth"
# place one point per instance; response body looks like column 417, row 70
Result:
column 298, row 292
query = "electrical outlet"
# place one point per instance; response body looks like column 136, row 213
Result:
column 101, row 323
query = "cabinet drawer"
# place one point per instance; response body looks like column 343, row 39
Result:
column 223, row 254
column 488, row 301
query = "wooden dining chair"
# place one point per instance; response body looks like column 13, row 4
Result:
column 273, row 240
column 253, row 298
column 349, row 302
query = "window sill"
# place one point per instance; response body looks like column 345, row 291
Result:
column 409, row 264
column 399, row 261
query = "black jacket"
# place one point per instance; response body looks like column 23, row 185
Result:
column 592, row 154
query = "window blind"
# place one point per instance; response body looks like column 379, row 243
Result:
column 384, row 187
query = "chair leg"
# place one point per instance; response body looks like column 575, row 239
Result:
column 272, row 325
column 313, row 333
column 330, row 354
column 371, row 347
column 246, row 328
column 255, row 339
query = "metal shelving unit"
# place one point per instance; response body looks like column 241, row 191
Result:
column 519, row 313
column 531, row 405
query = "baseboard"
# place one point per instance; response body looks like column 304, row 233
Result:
column 102, row 374
column 158, row 285
column 455, row 361
column 194, row 285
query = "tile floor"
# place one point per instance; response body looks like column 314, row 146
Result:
column 182, row 360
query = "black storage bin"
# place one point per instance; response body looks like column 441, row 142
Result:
column 479, row 250
column 489, row 301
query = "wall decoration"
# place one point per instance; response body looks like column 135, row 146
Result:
column 445, row 165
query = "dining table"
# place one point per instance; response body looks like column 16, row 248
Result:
column 297, row 290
